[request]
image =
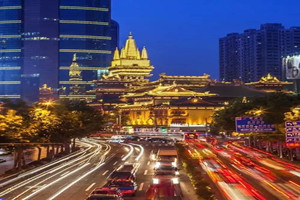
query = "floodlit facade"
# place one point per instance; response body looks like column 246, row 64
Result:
column 39, row 38
column 172, row 103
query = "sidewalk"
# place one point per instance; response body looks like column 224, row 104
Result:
column 29, row 154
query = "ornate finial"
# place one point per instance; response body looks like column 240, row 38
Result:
column 74, row 57
column 144, row 53
column 116, row 54
column 130, row 35
column 138, row 55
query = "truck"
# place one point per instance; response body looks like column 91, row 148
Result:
column 166, row 158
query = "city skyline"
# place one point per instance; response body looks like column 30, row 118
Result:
column 160, row 33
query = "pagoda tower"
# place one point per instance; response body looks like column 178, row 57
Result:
column 129, row 64
column 75, row 76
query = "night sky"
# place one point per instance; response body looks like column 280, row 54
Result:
column 182, row 35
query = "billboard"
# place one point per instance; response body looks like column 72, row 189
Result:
column 253, row 125
column 292, row 130
column 291, row 65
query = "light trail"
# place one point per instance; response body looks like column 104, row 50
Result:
column 141, row 152
column 23, row 175
column 23, row 183
column 129, row 153
column 100, row 164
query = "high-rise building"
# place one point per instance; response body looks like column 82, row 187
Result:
column 258, row 52
column 39, row 37
column 229, row 60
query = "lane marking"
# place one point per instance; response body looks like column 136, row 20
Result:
column 148, row 163
column 115, row 163
column 105, row 172
column 146, row 171
column 141, row 186
column 87, row 189
column 65, row 173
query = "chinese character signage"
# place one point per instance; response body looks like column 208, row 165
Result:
column 253, row 125
column 292, row 129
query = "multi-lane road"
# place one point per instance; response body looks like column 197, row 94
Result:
column 235, row 172
column 240, row 172
column 76, row 175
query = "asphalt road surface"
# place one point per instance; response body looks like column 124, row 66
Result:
column 75, row 176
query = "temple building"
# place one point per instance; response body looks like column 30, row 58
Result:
column 76, row 89
column 129, row 70
column 271, row 84
column 171, row 103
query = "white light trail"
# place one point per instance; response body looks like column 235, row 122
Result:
column 129, row 153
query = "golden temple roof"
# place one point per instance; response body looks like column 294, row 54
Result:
column 130, row 51
column 269, row 80
column 170, row 90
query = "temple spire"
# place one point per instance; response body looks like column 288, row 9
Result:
column 123, row 54
column 144, row 54
column 117, row 54
column 130, row 47
column 138, row 55
column 74, row 57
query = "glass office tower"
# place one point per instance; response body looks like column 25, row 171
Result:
column 40, row 37
column 10, row 48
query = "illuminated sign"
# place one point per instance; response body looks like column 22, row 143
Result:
column 291, row 66
column 292, row 130
column 252, row 125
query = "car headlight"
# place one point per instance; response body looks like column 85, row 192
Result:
column 175, row 180
column 157, row 164
column 174, row 164
column 176, row 173
column 153, row 157
column 155, row 181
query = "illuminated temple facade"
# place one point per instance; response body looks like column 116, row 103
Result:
column 171, row 102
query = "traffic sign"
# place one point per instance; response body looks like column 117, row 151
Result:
column 253, row 125
column 292, row 130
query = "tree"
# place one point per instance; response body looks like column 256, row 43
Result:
column 10, row 127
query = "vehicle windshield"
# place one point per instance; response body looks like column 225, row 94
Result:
column 105, row 192
column 164, row 173
column 102, row 198
column 121, row 183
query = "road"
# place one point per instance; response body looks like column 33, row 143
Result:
column 75, row 176
column 240, row 172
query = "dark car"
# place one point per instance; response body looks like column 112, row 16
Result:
column 104, row 197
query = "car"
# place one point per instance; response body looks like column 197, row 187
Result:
column 106, row 191
column 127, row 188
column 4, row 151
column 104, row 197
column 166, row 174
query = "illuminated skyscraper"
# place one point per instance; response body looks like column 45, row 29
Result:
column 255, row 53
column 39, row 37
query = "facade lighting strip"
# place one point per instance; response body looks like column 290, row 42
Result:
column 86, row 37
column 10, row 7
column 10, row 50
column 10, row 68
column 10, row 36
column 11, row 22
column 85, row 68
column 77, row 96
column 76, row 82
column 83, row 22
column 83, row 51
column 10, row 96
column 10, row 82
column 84, row 8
